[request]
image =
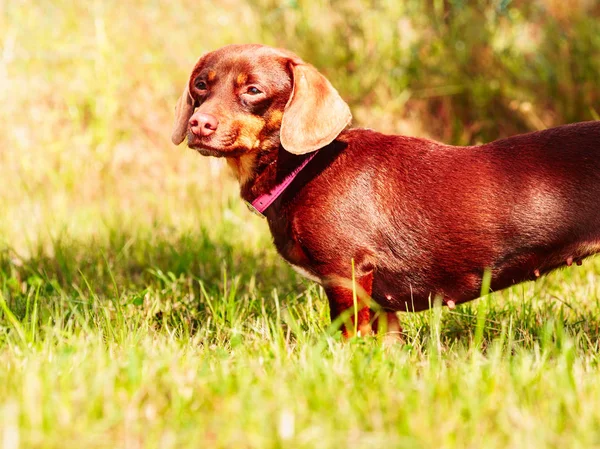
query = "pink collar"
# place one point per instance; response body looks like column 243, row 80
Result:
column 260, row 204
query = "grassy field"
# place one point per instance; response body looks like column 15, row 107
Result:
column 142, row 305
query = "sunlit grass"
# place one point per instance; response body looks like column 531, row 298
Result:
column 181, row 341
column 142, row 305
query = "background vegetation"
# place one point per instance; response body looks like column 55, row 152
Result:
column 141, row 304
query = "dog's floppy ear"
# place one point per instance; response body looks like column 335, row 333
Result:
column 183, row 111
column 184, row 108
column 315, row 114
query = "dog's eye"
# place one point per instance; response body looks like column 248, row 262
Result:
column 200, row 85
column 252, row 90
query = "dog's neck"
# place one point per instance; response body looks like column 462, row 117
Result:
column 264, row 171
column 277, row 168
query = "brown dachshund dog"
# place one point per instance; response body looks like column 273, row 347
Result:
column 400, row 220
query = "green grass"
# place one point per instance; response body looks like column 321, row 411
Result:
column 142, row 305
column 186, row 340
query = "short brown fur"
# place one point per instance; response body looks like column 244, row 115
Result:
column 418, row 219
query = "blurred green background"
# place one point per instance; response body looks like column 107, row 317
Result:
column 87, row 89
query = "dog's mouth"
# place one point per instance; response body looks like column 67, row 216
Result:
column 206, row 147
column 205, row 151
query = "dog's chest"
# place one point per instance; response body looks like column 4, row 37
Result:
column 290, row 249
column 293, row 253
column 305, row 273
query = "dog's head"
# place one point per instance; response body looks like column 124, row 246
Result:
column 244, row 99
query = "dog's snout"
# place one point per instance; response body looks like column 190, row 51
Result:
column 203, row 125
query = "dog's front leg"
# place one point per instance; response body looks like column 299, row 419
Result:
column 351, row 298
column 388, row 324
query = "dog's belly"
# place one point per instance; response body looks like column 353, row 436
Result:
column 404, row 294
column 399, row 292
column 414, row 291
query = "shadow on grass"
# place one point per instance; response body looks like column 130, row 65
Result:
column 191, row 279
column 128, row 268
column 546, row 314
